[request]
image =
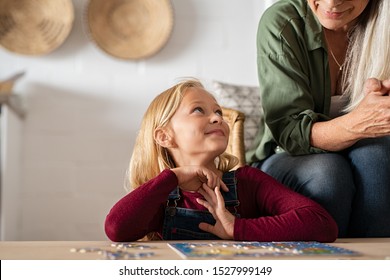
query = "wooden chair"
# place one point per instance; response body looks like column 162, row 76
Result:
column 235, row 120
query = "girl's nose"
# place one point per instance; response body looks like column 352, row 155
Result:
column 216, row 118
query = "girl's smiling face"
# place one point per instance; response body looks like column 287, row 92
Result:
column 197, row 129
column 337, row 14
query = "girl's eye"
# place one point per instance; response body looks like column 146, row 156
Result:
column 198, row 109
column 219, row 113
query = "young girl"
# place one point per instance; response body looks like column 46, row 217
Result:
column 183, row 188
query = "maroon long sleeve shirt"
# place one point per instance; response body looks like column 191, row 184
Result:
column 268, row 210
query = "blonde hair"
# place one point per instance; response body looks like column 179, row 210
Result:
column 368, row 54
column 149, row 158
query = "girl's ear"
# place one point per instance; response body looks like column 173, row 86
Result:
column 162, row 137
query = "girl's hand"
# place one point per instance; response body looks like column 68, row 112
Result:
column 224, row 227
column 191, row 178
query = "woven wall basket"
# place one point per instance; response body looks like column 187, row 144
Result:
column 130, row 29
column 35, row 27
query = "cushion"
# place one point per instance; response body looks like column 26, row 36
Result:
column 245, row 99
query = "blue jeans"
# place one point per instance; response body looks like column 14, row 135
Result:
column 352, row 185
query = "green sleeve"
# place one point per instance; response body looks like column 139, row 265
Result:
column 292, row 81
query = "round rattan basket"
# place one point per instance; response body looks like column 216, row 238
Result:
column 35, row 27
column 130, row 29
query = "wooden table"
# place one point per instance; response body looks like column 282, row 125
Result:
column 369, row 249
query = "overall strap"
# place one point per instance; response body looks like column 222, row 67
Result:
column 173, row 197
column 231, row 197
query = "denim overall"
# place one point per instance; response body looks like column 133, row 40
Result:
column 183, row 223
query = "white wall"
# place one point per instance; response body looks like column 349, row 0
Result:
column 84, row 109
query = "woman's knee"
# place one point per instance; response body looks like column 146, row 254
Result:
column 370, row 162
column 332, row 176
column 325, row 178
column 370, row 152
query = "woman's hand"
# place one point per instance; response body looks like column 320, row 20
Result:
column 191, row 178
column 375, row 85
column 224, row 227
column 371, row 118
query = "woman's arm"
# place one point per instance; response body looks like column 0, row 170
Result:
column 140, row 211
column 272, row 212
column 293, row 76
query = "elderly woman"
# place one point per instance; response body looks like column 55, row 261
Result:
column 324, row 72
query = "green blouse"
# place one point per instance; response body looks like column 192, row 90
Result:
column 294, row 79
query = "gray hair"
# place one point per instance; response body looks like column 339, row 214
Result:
column 368, row 54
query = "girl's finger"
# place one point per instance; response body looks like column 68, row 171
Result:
column 224, row 187
column 220, row 200
column 211, row 179
column 203, row 203
column 207, row 189
column 202, row 192
column 211, row 197
column 207, row 227
column 206, row 192
column 207, row 205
